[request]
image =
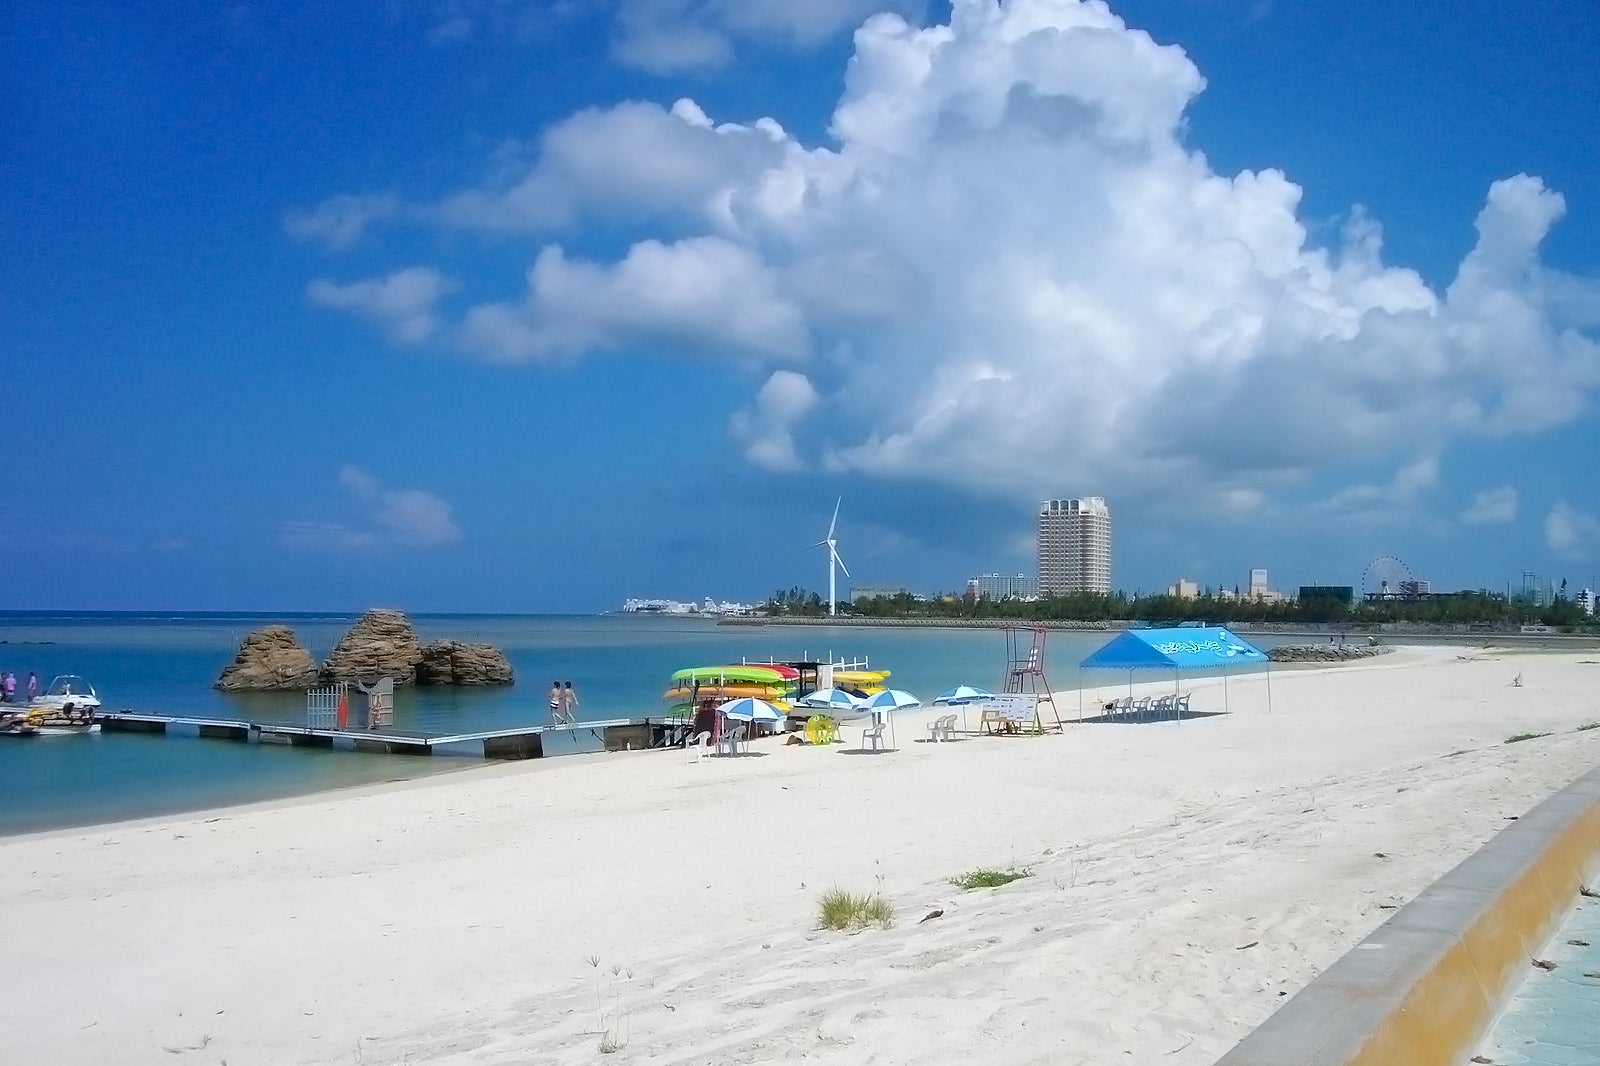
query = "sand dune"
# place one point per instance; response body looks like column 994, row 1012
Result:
column 1185, row 878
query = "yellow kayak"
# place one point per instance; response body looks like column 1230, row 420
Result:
column 868, row 681
column 771, row 693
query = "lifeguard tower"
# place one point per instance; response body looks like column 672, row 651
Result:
column 1025, row 671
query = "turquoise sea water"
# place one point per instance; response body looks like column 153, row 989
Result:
column 619, row 665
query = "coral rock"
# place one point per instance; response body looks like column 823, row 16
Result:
column 269, row 658
column 380, row 644
column 450, row 662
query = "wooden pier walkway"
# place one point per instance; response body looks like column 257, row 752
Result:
column 517, row 742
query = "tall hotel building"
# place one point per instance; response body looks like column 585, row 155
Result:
column 1074, row 546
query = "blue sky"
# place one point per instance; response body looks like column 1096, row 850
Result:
column 532, row 306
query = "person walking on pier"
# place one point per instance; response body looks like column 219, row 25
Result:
column 8, row 687
column 557, row 702
column 569, row 703
column 33, row 686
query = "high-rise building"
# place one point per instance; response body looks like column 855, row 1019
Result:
column 996, row 586
column 1074, row 546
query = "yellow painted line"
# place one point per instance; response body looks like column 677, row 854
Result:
column 1425, row 987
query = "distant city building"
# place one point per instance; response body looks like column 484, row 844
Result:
column 1074, row 546
column 1184, row 589
column 1345, row 594
column 707, row 606
column 872, row 592
column 1585, row 600
column 1260, row 591
column 1000, row 586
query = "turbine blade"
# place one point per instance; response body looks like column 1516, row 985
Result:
column 838, row 560
column 835, row 516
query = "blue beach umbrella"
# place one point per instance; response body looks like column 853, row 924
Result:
column 891, row 699
column 750, row 709
column 829, row 699
column 962, row 694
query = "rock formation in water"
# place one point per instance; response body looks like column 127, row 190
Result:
column 450, row 662
column 380, row 644
column 269, row 658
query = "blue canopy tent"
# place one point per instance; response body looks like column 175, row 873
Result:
column 1187, row 648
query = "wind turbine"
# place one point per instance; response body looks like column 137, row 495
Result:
column 833, row 559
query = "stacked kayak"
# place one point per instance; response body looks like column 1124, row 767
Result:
column 773, row 683
column 777, row 683
column 871, row 682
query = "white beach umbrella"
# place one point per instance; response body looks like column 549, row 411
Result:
column 962, row 694
column 891, row 699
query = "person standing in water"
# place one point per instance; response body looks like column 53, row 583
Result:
column 569, row 703
column 556, row 702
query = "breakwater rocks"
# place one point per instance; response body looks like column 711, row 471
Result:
column 1324, row 653
column 381, row 644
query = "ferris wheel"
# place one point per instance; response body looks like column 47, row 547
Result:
column 1388, row 578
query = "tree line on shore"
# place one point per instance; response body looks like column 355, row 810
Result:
column 1468, row 608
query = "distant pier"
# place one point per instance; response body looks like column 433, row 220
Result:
column 519, row 742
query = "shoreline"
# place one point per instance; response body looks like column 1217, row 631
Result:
column 1067, row 700
column 1183, row 876
column 1398, row 633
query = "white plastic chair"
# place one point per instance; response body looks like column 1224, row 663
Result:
column 728, row 743
column 872, row 738
column 699, row 744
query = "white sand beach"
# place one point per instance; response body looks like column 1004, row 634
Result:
column 1186, row 878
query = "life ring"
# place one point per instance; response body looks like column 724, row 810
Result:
column 820, row 730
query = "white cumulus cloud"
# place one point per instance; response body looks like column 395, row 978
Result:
column 1492, row 507
column 766, row 430
column 1570, row 533
column 1009, row 237
column 341, row 221
column 703, row 294
column 402, row 303
column 408, row 516
column 635, row 160
column 379, row 516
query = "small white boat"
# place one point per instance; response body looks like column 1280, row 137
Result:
column 67, row 708
column 68, row 696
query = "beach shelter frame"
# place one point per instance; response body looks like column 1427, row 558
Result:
column 1190, row 649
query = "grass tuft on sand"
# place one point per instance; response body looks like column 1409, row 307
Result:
column 848, row 911
column 984, row 877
